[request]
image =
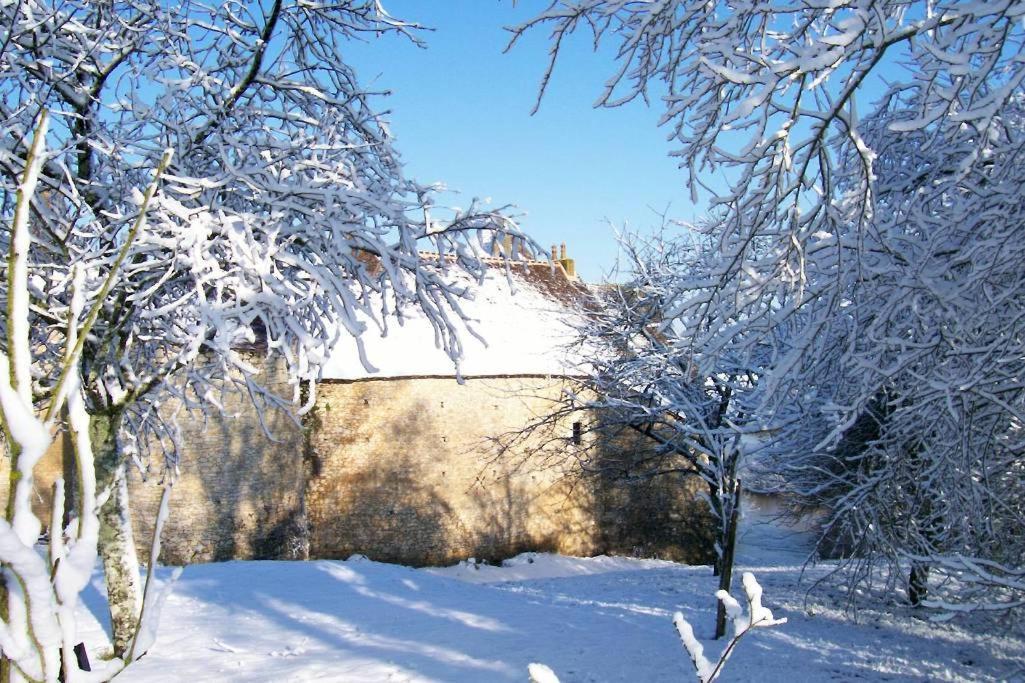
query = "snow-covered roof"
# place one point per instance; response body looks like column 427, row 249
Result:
column 526, row 316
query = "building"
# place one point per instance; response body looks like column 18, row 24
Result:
column 400, row 464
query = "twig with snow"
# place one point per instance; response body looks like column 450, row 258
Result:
column 757, row 616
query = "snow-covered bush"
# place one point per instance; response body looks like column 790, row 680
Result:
column 757, row 616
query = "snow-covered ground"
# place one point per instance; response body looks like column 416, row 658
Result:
column 597, row 619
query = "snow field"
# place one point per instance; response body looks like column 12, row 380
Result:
column 589, row 619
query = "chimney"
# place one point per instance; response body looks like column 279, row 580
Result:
column 568, row 264
column 507, row 246
column 555, row 254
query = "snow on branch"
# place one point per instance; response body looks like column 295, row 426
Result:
column 540, row 673
column 757, row 616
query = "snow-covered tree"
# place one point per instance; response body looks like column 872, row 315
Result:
column 911, row 412
column 284, row 220
column 38, row 639
column 642, row 382
column 877, row 259
column 643, row 409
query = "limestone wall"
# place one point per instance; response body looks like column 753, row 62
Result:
column 46, row 471
column 402, row 470
column 399, row 472
column 239, row 494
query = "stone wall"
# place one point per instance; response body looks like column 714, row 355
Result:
column 239, row 493
column 660, row 517
column 402, row 470
column 46, row 471
column 405, row 470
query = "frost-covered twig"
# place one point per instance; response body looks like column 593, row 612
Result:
column 985, row 586
column 757, row 616
column 152, row 604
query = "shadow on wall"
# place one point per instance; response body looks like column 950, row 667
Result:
column 390, row 511
column 661, row 516
column 239, row 494
column 368, row 490
column 377, row 475
column 502, row 522
column 394, row 466
column 628, row 512
column 387, row 512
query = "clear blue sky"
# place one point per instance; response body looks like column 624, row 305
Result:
column 460, row 111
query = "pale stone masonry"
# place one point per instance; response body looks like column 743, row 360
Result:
column 238, row 495
column 403, row 472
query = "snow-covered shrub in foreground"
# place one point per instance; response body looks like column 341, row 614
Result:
column 707, row 671
column 757, row 616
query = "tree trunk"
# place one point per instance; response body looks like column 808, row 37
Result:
column 726, row 573
column 717, row 511
column 69, row 469
column 116, row 544
column 918, row 583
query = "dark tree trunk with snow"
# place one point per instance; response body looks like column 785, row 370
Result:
column 725, row 562
column 719, row 512
column 918, row 583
